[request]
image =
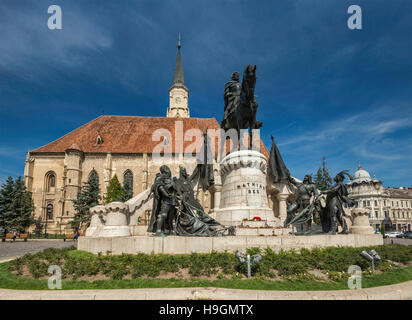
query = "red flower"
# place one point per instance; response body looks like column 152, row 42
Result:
column 257, row 219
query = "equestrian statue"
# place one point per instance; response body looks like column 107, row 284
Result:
column 240, row 102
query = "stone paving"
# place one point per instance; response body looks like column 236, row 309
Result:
column 406, row 242
column 18, row 248
column 401, row 291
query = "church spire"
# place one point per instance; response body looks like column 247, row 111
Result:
column 178, row 92
column 179, row 78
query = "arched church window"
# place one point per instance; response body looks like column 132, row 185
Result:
column 49, row 211
column 50, row 181
column 128, row 181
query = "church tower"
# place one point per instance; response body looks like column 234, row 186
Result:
column 178, row 92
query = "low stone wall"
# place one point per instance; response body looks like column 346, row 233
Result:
column 187, row 245
column 401, row 291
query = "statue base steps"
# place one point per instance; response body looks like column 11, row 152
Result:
column 234, row 216
column 254, row 224
column 267, row 232
column 187, row 245
column 361, row 230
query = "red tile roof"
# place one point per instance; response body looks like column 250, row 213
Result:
column 126, row 134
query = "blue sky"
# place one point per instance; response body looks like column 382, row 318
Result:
column 322, row 89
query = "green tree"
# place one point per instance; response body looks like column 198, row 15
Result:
column 6, row 205
column 323, row 180
column 115, row 191
column 16, row 206
column 38, row 230
column 127, row 190
column 23, row 206
column 88, row 197
column 383, row 229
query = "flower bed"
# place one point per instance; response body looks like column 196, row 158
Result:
column 331, row 263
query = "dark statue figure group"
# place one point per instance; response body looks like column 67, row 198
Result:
column 302, row 210
column 307, row 206
column 176, row 211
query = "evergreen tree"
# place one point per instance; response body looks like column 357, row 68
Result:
column 23, row 206
column 16, row 206
column 115, row 192
column 6, row 205
column 87, row 198
column 38, row 230
column 323, row 180
column 127, row 190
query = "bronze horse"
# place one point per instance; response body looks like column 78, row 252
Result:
column 244, row 115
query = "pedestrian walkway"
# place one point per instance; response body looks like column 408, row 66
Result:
column 11, row 249
column 402, row 291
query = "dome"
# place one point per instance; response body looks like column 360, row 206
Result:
column 376, row 180
column 361, row 175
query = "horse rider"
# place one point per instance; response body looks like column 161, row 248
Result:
column 232, row 92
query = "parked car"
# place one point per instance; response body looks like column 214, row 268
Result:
column 406, row 235
column 392, row 234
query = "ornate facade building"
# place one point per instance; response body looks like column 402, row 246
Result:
column 121, row 145
column 390, row 207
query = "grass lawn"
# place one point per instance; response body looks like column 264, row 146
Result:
column 11, row 281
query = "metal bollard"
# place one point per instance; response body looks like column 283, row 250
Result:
column 248, row 266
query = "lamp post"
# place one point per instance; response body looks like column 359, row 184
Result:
column 49, row 210
column 256, row 259
column 371, row 256
column 45, row 226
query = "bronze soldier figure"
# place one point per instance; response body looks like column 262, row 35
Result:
column 192, row 220
column 305, row 190
column 164, row 202
column 232, row 92
column 333, row 213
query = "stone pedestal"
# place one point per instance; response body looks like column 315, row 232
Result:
column 115, row 216
column 188, row 245
column 282, row 206
column 96, row 225
column 360, row 221
column 243, row 194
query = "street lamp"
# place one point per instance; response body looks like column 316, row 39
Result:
column 49, row 211
column 256, row 259
column 371, row 257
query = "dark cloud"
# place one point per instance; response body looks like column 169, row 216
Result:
column 315, row 75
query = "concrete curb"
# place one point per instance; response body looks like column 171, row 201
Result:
column 7, row 259
column 31, row 240
column 402, row 291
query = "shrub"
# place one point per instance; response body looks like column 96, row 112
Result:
column 291, row 265
column 38, row 269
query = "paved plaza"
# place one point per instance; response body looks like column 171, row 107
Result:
column 18, row 248
column 401, row 291
column 405, row 242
